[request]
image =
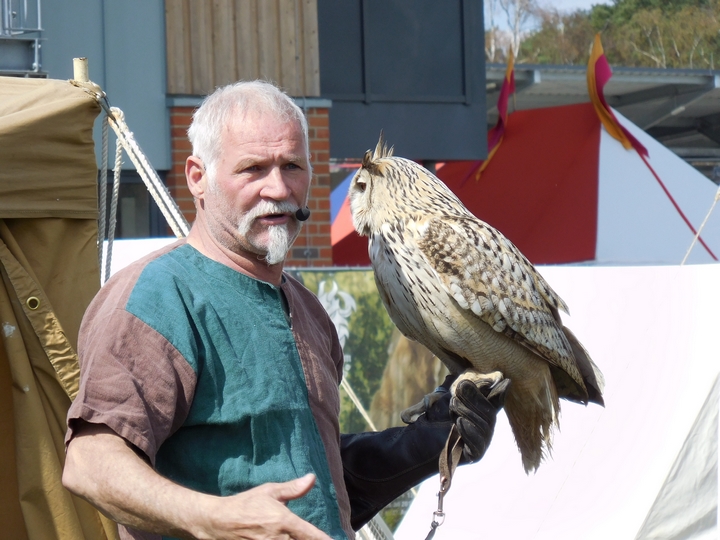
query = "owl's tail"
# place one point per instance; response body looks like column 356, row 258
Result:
column 591, row 374
column 532, row 407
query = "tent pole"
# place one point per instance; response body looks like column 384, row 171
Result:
column 80, row 69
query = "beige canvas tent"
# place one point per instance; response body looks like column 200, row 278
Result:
column 49, row 269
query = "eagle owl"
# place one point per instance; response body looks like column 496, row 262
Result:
column 458, row 286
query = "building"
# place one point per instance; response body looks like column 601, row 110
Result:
column 414, row 68
column 355, row 67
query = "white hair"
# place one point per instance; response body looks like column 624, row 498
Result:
column 215, row 111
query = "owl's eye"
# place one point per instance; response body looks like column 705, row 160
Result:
column 361, row 186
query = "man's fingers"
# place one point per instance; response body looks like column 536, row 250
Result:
column 294, row 489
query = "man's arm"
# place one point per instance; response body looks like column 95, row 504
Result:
column 102, row 468
column 379, row 467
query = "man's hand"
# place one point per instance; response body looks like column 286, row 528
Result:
column 103, row 469
column 261, row 513
column 378, row 467
column 474, row 410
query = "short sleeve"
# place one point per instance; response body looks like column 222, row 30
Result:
column 132, row 379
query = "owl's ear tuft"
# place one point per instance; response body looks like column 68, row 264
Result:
column 381, row 149
column 367, row 159
column 370, row 158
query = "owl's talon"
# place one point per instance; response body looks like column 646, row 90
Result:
column 481, row 380
column 498, row 389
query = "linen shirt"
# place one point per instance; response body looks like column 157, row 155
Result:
column 223, row 381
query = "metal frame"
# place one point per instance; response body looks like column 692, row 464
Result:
column 16, row 25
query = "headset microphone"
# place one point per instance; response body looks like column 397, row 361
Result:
column 302, row 214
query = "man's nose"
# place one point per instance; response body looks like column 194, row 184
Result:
column 275, row 186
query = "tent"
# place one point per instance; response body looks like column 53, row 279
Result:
column 50, row 272
column 643, row 467
column 564, row 191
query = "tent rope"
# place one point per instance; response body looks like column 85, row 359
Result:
column 358, row 404
column 155, row 186
column 103, row 192
column 677, row 206
column 702, row 226
column 117, row 172
column 153, row 183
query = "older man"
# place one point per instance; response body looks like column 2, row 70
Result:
column 208, row 405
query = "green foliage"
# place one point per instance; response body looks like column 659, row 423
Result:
column 393, row 517
column 623, row 11
column 687, row 39
column 635, row 33
column 367, row 345
column 561, row 39
column 370, row 331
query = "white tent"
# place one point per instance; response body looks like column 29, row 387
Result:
column 645, row 466
column 637, row 223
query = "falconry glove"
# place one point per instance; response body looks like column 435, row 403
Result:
column 379, row 467
column 474, row 410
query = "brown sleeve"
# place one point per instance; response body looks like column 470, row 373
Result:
column 131, row 378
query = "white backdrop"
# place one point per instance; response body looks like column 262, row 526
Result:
column 653, row 332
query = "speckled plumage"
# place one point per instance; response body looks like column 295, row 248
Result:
column 459, row 287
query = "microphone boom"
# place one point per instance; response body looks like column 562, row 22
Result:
column 302, row 214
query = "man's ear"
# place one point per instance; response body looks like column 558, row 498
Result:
column 196, row 177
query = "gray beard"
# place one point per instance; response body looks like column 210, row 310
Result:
column 279, row 238
column 279, row 244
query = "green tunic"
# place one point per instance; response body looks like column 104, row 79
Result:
column 247, row 419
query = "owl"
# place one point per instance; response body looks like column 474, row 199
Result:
column 460, row 288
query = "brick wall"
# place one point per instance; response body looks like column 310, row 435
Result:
column 180, row 118
column 312, row 248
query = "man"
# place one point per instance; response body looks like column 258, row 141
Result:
column 208, row 405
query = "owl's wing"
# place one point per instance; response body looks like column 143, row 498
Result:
column 485, row 273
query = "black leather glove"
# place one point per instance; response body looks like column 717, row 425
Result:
column 474, row 410
column 379, row 467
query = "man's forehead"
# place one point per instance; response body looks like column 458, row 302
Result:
column 257, row 124
column 262, row 115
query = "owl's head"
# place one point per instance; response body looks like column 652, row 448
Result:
column 368, row 187
column 390, row 189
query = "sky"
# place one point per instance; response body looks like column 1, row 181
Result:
column 561, row 5
column 572, row 5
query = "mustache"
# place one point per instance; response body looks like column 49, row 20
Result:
column 265, row 208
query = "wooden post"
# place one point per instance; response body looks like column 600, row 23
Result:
column 80, row 69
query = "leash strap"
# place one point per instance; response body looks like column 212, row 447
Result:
column 449, row 460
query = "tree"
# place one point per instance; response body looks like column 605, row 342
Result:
column 491, row 31
column 367, row 344
column 687, row 39
column 635, row 33
column 518, row 13
column 561, row 39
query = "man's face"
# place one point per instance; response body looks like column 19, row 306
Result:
column 261, row 177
